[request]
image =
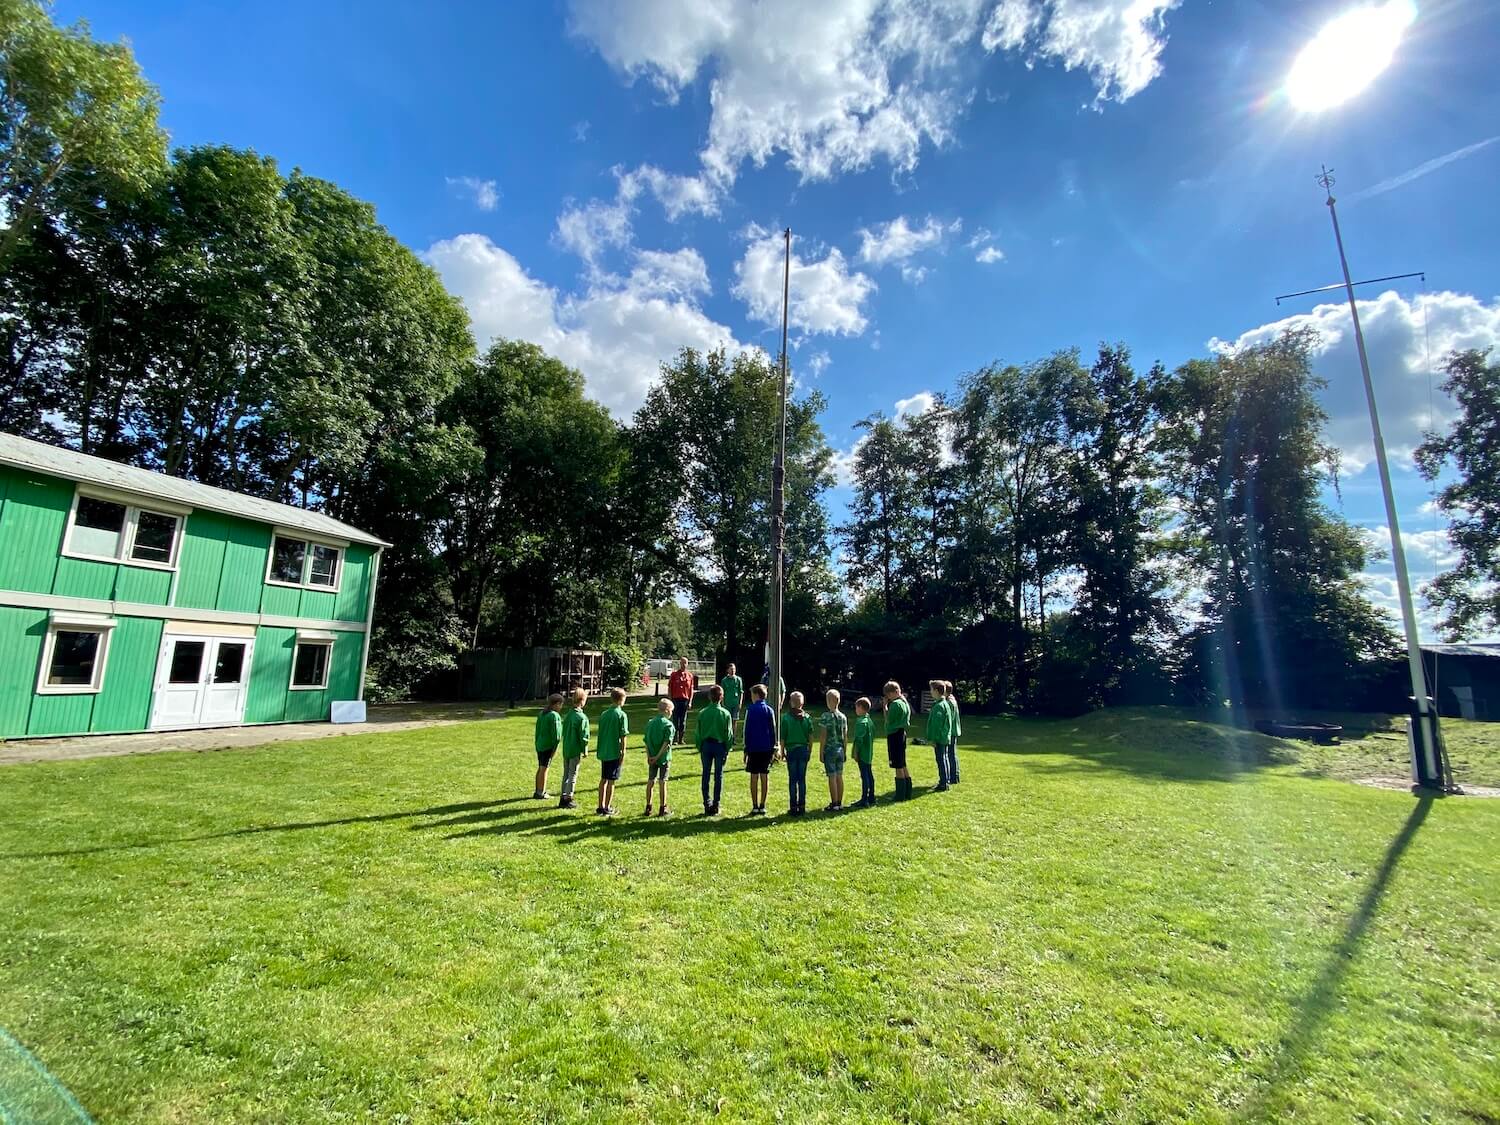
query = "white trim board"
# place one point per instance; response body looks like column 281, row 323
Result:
column 172, row 613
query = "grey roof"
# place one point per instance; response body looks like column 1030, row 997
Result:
column 1469, row 648
column 23, row 453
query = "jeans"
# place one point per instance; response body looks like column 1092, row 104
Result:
column 866, row 781
column 940, row 755
column 713, row 754
column 953, row 762
column 570, row 774
column 679, row 715
column 796, row 773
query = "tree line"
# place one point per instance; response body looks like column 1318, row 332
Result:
column 1052, row 535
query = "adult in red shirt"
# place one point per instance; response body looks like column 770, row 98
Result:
column 680, row 689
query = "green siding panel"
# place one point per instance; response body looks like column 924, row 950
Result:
column 84, row 578
column 343, row 676
column 246, row 549
column 31, row 528
column 316, row 604
column 21, row 634
column 201, row 561
column 306, row 706
column 60, row 714
column 354, row 588
column 270, row 675
column 283, row 600
column 125, row 701
column 144, row 585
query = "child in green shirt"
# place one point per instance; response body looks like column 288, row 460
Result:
column 940, row 730
column 659, row 734
column 613, row 727
column 734, row 692
column 897, row 719
column 548, row 739
column 835, row 732
column 575, row 745
column 864, row 751
column 715, row 737
column 796, row 746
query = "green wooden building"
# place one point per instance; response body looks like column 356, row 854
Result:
column 133, row 601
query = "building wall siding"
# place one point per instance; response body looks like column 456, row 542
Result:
column 21, row 634
column 31, row 527
column 270, row 675
column 354, row 589
column 201, row 561
column 124, row 703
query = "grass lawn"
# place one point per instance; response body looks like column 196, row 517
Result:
column 1127, row 917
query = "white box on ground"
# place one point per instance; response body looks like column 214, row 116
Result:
column 348, row 711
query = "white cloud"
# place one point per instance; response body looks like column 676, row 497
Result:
column 818, row 362
column 484, row 193
column 596, row 226
column 1118, row 42
column 617, row 332
column 1429, row 550
column 1397, row 332
column 898, row 240
column 842, row 464
column 840, row 85
column 825, row 295
column 919, row 403
column 678, row 195
column 989, row 255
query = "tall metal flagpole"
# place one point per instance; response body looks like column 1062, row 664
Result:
column 778, row 502
column 1426, row 740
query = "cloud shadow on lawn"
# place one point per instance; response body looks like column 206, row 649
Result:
column 298, row 826
column 1158, row 746
column 1313, row 1008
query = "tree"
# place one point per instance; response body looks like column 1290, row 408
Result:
column 882, row 528
column 75, row 116
column 1116, row 537
column 714, row 419
column 1469, row 594
column 1284, row 619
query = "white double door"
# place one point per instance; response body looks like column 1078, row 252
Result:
column 201, row 681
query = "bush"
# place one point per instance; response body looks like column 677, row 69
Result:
column 623, row 666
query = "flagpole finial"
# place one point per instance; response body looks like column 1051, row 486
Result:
column 1326, row 181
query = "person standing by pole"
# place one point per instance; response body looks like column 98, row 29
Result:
column 680, row 690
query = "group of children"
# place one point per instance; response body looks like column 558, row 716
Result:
column 718, row 723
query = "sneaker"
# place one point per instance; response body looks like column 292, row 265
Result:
column 600, row 811
column 665, row 811
column 540, row 796
column 610, row 810
column 940, row 787
column 567, row 803
column 648, row 811
column 830, row 807
column 708, row 810
column 714, row 809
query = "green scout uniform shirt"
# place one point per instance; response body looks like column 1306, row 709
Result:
column 836, row 723
column 659, row 732
column 864, row 739
column 958, row 727
column 548, row 731
column 939, row 723
column 613, row 725
column 716, row 723
column 897, row 714
column 575, row 733
column 734, row 692
column 796, row 731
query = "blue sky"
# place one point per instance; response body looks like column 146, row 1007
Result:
column 968, row 180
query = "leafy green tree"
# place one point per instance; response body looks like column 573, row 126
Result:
column 76, row 116
column 1116, row 538
column 1469, row 594
column 882, row 525
column 713, row 418
column 1284, row 620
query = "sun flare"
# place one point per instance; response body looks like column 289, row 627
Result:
column 1347, row 54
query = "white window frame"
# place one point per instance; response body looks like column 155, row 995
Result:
column 75, row 623
column 134, row 506
column 311, row 637
column 308, row 543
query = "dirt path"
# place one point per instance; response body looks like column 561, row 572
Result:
column 382, row 719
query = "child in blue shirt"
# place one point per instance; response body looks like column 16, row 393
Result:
column 760, row 747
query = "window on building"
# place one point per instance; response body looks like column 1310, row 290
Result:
column 74, row 654
column 102, row 528
column 310, row 664
column 302, row 562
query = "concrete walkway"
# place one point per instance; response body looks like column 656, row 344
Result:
column 386, row 718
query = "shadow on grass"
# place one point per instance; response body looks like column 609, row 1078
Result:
column 1158, row 744
column 299, row 826
column 1314, row 1007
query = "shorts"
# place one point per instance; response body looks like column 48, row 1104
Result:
column 609, row 770
column 660, row 770
column 544, row 758
column 758, row 761
column 833, row 761
column 895, row 749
